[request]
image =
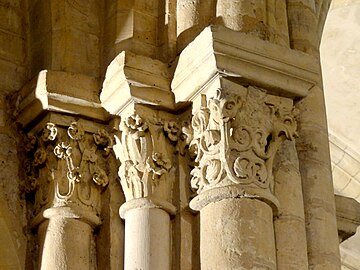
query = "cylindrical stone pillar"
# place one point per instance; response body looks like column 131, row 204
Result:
column 315, row 168
column 192, row 18
column 244, row 16
column 68, row 242
column 144, row 175
column 236, row 140
column 147, row 239
column 302, row 24
column 237, row 233
column 290, row 234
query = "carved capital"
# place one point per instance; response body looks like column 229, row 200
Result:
column 236, row 137
column 145, row 146
column 67, row 167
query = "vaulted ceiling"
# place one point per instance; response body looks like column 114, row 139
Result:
column 340, row 57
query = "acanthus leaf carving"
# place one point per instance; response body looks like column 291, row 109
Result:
column 236, row 137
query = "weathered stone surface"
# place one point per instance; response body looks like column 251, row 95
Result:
column 240, row 67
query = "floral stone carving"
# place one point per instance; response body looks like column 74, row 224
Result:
column 146, row 150
column 236, row 137
column 67, row 166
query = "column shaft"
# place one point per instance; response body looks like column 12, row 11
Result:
column 147, row 239
column 68, row 245
column 315, row 169
column 237, row 234
column 290, row 234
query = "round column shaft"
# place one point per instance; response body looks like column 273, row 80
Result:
column 237, row 233
column 244, row 16
column 67, row 245
column 147, row 239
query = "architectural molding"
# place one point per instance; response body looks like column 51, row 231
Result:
column 347, row 216
column 134, row 78
column 218, row 51
column 62, row 92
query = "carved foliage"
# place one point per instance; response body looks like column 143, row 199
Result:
column 67, row 165
column 146, row 149
column 236, row 138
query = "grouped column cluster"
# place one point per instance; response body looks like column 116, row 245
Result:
column 232, row 131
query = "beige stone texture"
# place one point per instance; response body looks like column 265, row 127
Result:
column 289, row 225
column 155, row 135
column 65, row 36
column 314, row 161
column 135, row 78
column 347, row 214
column 14, row 242
column 68, row 245
column 237, row 234
column 151, row 228
column 137, row 26
column 198, row 15
column 59, row 91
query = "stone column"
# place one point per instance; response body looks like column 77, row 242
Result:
column 290, row 233
column 315, row 168
column 146, row 152
column 236, row 135
column 68, row 242
column 192, row 18
column 265, row 19
column 68, row 172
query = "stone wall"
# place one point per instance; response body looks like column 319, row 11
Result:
column 13, row 70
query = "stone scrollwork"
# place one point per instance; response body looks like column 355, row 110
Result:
column 67, row 165
column 236, row 137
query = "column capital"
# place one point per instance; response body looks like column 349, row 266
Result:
column 146, row 145
column 67, row 167
column 236, row 135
